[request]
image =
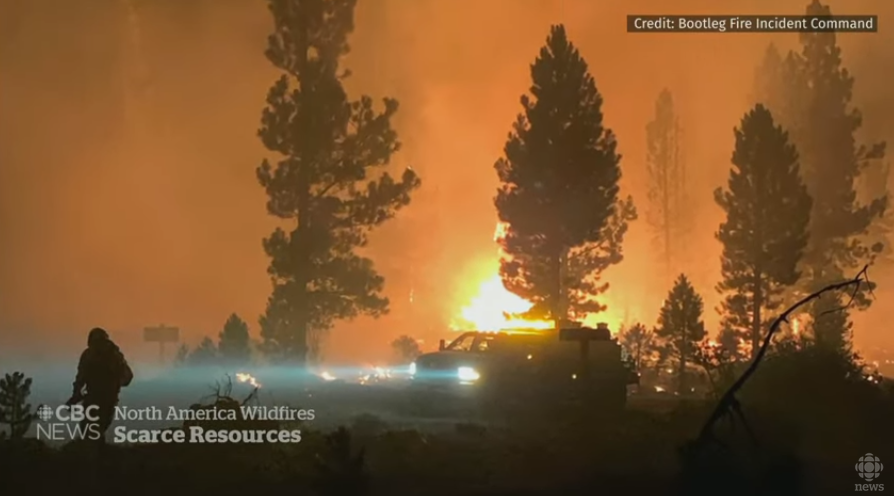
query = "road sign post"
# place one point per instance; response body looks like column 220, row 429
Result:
column 162, row 335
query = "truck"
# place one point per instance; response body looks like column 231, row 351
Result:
column 574, row 367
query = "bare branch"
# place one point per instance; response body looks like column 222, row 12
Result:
column 728, row 404
column 864, row 274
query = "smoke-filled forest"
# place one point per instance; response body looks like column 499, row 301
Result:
column 325, row 204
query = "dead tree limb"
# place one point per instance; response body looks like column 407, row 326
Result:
column 728, row 404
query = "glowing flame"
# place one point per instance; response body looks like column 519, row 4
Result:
column 247, row 379
column 493, row 308
column 796, row 326
column 326, row 376
column 376, row 374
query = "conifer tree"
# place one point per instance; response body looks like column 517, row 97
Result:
column 667, row 213
column 681, row 326
column 181, row 358
column 765, row 232
column 559, row 192
column 234, row 343
column 876, row 180
column 776, row 86
column 639, row 344
column 205, row 354
column 832, row 159
column 323, row 182
column 816, row 91
column 15, row 411
column 728, row 339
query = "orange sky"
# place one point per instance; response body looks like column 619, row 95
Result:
column 96, row 229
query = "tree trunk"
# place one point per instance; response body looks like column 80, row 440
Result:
column 679, row 197
column 560, row 308
column 756, row 314
column 684, row 353
column 666, row 210
column 298, row 342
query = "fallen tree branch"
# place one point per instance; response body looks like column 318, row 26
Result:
column 728, row 404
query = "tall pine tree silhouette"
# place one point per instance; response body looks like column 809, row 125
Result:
column 668, row 206
column 322, row 181
column 559, row 192
column 765, row 232
column 811, row 93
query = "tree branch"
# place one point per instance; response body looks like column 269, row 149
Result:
column 326, row 189
column 728, row 404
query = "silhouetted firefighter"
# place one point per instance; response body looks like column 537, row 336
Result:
column 102, row 372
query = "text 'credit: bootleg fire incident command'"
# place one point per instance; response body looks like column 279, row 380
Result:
column 751, row 24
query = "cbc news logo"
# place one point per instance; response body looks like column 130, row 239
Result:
column 869, row 468
column 44, row 413
column 68, row 413
column 67, row 423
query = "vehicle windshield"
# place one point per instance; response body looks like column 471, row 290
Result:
column 462, row 343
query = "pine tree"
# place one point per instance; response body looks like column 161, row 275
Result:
column 15, row 411
column 832, row 159
column 823, row 124
column 875, row 183
column 181, row 359
column 234, row 344
column 559, row 192
column 776, row 86
column 728, row 339
column 680, row 325
column 638, row 342
column 667, row 182
column 832, row 327
column 322, row 181
column 205, row 354
column 765, row 232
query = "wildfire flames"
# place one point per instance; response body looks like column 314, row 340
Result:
column 247, row 379
column 494, row 308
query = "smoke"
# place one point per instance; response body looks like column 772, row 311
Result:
column 127, row 189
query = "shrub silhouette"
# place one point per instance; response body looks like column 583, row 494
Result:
column 340, row 471
column 15, row 411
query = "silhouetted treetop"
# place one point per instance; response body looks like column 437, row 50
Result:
column 559, row 192
column 765, row 232
column 323, row 179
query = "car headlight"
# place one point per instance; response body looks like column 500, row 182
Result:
column 412, row 368
column 467, row 374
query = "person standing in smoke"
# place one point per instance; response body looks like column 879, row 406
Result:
column 102, row 372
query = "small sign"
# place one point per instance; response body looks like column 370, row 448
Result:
column 161, row 334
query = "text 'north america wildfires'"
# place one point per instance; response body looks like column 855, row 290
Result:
column 252, row 412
